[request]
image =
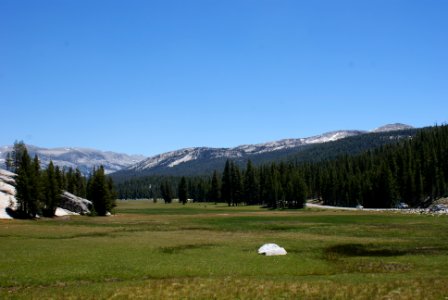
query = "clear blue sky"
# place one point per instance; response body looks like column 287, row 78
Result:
column 153, row 76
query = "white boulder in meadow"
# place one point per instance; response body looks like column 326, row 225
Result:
column 271, row 250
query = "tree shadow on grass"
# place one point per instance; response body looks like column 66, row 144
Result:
column 181, row 248
column 17, row 214
column 362, row 250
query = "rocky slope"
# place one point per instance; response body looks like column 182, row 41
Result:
column 7, row 193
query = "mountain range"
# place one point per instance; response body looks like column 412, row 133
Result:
column 204, row 160
column 188, row 161
column 82, row 158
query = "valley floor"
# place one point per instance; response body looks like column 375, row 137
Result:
column 208, row 251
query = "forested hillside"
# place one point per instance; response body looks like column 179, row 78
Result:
column 206, row 165
column 413, row 171
column 352, row 145
column 412, row 167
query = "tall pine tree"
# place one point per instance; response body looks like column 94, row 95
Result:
column 226, row 186
column 166, row 191
column 26, row 186
column 251, row 186
column 99, row 193
column 183, row 191
column 52, row 194
column 215, row 190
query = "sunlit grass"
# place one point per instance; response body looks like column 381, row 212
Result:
column 206, row 251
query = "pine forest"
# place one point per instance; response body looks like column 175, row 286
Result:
column 412, row 171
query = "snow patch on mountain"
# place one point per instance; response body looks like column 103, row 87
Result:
column 189, row 156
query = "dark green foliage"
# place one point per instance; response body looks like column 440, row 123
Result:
column 215, row 190
column 232, row 185
column 251, row 184
column 17, row 154
column 9, row 162
column 74, row 182
column 28, row 186
column 111, row 188
column 100, row 192
column 183, row 191
column 206, row 165
column 70, row 181
column 411, row 170
column 52, row 194
column 144, row 187
column 39, row 192
column 257, row 186
column 237, row 185
column 166, row 191
column 37, row 183
column 198, row 188
column 226, row 184
column 80, row 184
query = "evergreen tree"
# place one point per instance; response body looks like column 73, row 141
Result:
column 52, row 191
column 36, row 183
column 201, row 191
column 226, row 186
column 298, row 192
column 100, row 194
column 251, row 186
column 112, row 192
column 215, row 190
column 167, row 194
column 414, row 171
column 9, row 162
column 80, row 184
column 183, row 191
column 236, row 184
column 71, row 181
column 25, row 189
column 17, row 154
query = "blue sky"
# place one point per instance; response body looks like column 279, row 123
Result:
column 153, row 76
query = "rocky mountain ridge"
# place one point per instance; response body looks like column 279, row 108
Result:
column 175, row 158
column 82, row 158
column 85, row 159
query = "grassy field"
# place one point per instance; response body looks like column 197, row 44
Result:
column 207, row 251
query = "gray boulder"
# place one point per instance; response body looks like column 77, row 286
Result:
column 438, row 208
column 75, row 204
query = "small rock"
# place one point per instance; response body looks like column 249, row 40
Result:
column 271, row 249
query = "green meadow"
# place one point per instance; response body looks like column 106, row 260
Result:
column 208, row 251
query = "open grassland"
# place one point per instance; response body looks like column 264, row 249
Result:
column 207, row 251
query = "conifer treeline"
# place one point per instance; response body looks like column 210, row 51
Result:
column 274, row 185
column 413, row 171
column 39, row 191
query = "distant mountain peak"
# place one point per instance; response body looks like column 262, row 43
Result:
column 392, row 127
